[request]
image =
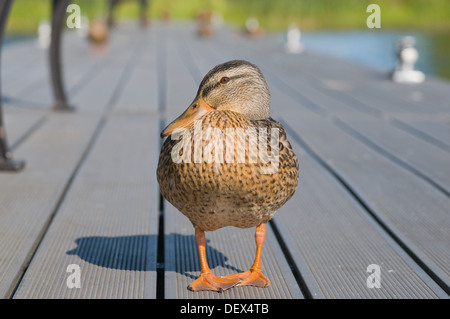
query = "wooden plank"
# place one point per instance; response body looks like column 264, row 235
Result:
column 28, row 78
column 21, row 122
column 52, row 153
column 107, row 224
column 345, row 87
column 417, row 212
column 31, row 196
column 432, row 92
column 333, row 241
column 140, row 89
column 24, row 51
column 180, row 86
column 32, row 86
column 106, row 84
column 426, row 160
column 335, row 74
column 109, row 241
column 333, row 238
column 390, row 103
column 435, row 131
column 78, row 66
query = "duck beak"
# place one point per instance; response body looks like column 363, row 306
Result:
column 196, row 110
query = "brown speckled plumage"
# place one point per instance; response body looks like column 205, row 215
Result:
column 215, row 195
column 227, row 163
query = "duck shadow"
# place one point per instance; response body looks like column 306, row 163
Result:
column 139, row 253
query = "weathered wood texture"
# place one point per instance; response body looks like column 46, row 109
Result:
column 374, row 183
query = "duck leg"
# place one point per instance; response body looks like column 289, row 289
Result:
column 254, row 276
column 207, row 280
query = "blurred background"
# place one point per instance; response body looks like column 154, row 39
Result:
column 336, row 28
column 374, row 148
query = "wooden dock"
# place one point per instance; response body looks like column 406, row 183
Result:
column 374, row 174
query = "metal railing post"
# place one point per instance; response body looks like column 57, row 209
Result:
column 6, row 161
column 112, row 4
column 59, row 8
column 143, row 14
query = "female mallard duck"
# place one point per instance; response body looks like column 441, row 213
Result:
column 241, row 189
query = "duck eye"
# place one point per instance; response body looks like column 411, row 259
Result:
column 224, row 80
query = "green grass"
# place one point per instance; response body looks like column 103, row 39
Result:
column 273, row 14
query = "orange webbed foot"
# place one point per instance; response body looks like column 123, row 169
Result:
column 208, row 281
column 252, row 277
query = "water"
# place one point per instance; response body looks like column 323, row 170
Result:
column 377, row 48
column 11, row 39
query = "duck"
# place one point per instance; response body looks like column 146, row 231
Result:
column 226, row 162
column 205, row 28
column 98, row 31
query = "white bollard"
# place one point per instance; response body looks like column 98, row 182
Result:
column 293, row 40
column 407, row 56
column 44, row 34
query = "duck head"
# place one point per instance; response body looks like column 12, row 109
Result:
column 235, row 85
